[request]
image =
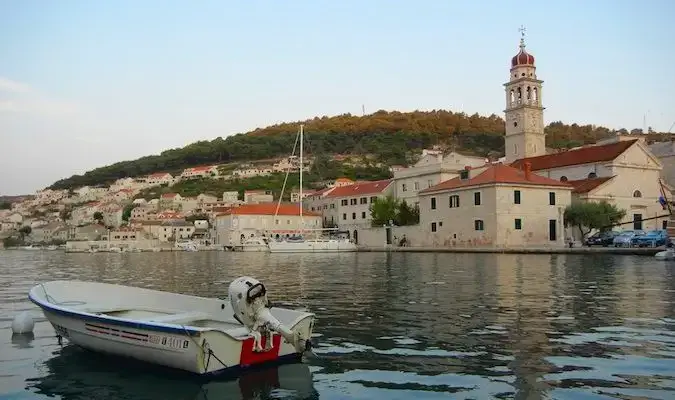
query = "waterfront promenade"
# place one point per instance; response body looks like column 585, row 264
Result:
column 640, row 251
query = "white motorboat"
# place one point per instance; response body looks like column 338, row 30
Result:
column 253, row 244
column 195, row 334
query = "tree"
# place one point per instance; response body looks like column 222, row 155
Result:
column 407, row 215
column 25, row 231
column 383, row 210
column 98, row 216
column 65, row 214
column 5, row 205
column 126, row 214
column 588, row 216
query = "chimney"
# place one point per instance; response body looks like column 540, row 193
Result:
column 528, row 170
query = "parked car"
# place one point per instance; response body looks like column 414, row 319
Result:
column 655, row 238
column 625, row 238
column 603, row 239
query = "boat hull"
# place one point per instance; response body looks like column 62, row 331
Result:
column 312, row 246
column 253, row 248
column 665, row 255
column 194, row 349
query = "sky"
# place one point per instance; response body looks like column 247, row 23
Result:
column 84, row 84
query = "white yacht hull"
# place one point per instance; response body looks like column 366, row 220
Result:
column 312, row 246
column 255, row 248
column 190, row 333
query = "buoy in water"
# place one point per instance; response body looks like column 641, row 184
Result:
column 22, row 323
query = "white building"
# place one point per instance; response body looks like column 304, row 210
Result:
column 265, row 219
column 433, row 168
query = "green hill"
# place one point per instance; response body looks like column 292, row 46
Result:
column 389, row 136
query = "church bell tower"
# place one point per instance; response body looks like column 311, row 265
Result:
column 524, row 111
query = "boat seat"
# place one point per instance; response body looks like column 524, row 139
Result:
column 179, row 319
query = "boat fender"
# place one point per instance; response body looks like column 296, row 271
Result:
column 22, row 323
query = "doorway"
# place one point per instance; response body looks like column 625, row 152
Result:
column 552, row 230
column 356, row 237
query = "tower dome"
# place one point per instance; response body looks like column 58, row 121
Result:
column 523, row 57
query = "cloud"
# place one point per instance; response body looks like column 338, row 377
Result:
column 8, row 85
column 21, row 98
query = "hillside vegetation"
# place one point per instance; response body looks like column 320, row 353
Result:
column 389, row 136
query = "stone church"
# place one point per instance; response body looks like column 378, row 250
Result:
column 621, row 170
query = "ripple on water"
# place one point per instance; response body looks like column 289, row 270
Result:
column 390, row 326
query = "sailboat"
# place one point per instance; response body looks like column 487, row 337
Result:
column 301, row 242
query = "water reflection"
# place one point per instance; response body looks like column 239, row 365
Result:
column 74, row 373
column 392, row 325
column 23, row 340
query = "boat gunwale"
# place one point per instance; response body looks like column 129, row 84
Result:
column 190, row 330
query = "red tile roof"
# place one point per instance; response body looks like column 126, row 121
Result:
column 586, row 185
column 584, row 155
column 360, row 188
column 158, row 174
column 269, row 209
column 497, row 173
column 323, row 191
column 169, row 195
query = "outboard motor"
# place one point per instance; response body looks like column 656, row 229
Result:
column 248, row 298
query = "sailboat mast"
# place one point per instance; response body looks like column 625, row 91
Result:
column 302, row 225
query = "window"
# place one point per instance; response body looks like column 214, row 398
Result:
column 417, row 186
column 404, row 187
column 433, row 227
column 454, row 201
column 363, row 214
column 373, row 198
column 637, row 222
column 551, row 198
column 518, row 224
column 563, row 178
column 637, row 193
column 353, row 202
column 476, row 198
column 478, row 225
column 516, row 197
column 344, row 202
column 353, row 215
column 344, row 216
column 433, row 203
column 429, row 183
column 665, row 224
column 592, row 175
column 363, row 200
column 464, row 174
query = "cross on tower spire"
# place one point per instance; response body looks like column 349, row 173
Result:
column 522, row 30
